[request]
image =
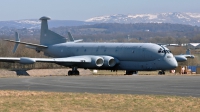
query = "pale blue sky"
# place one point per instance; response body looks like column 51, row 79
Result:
column 85, row 9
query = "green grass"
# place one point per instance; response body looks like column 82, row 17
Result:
column 21, row 101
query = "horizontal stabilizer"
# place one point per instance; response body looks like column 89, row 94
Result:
column 31, row 44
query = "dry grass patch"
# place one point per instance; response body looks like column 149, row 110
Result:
column 108, row 72
column 19, row 101
column 122, row 72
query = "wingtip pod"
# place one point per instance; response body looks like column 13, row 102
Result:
column 26, row 60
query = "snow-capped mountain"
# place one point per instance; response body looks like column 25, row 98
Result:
column 178, row 18
column 20, row 24
column 35, row 24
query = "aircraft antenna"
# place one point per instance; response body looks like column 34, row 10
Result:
column 128, row 36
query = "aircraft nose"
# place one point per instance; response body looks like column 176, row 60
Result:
column 174, row 63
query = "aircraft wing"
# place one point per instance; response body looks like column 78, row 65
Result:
column 89, row 60
column 27, row 60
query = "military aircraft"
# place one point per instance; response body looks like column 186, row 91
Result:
column 132, row 57
column 183, row 57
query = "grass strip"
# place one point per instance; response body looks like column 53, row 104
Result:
column 31, row 101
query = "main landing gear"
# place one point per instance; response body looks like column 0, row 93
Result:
column 162, row 72
column 74, row 71
column 131, row 72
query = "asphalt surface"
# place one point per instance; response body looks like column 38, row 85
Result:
column 143, row 85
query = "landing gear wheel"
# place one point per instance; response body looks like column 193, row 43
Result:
column 131, row 72
column 135, row 72
column 70, row 73
column 161, row 73
column 77, row 72
column 74, row 71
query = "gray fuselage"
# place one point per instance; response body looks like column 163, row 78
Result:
column 131, row 56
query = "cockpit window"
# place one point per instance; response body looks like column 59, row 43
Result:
column 164, row 51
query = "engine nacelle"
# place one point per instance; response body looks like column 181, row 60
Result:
column 93, row 62
column 97, row 61
column 109, row 61
column 25, row 60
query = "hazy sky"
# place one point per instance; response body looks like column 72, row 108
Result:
column 85, row 9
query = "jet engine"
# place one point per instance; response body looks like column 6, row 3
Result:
column 25, row 60
column 95, row 61
column 98, row 61
column 109, row 61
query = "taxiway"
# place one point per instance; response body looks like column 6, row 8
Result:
column 145, row 85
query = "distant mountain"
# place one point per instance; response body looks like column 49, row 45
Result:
column 175, row 18
column 35, row 24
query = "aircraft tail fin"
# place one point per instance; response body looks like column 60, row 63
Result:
column 72, row 39
column 48, row 37
column 188, row 52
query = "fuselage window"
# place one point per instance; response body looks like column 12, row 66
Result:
column 160, row 50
